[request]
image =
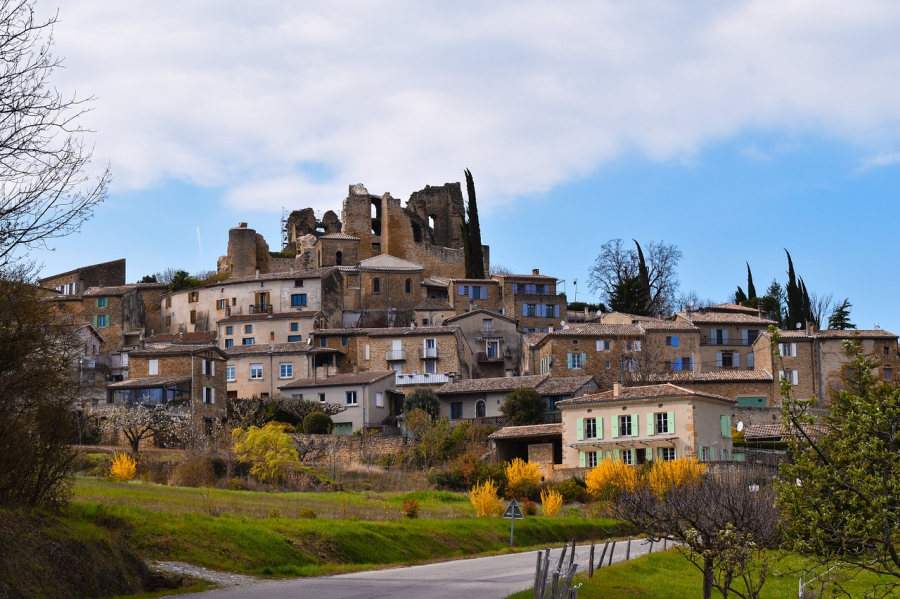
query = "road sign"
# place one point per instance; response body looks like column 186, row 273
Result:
column 514, row 511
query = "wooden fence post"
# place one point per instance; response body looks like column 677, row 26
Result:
column 602, row 555
column 591, row 561
column 628, row 550
column 611, row 551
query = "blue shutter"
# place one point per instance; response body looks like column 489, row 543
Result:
column 569, row 359
column 462, row 290
column 524, row 309
column 675, row 341
column 677, row 364
column 556, row 311
column 515, row 288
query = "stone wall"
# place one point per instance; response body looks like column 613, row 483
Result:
column 350, row 449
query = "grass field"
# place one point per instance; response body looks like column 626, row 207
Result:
column 668, row 575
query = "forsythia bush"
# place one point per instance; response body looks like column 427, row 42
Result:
column 674, row 473
column 611, row 475
column 270, row 450
column 523, row 479
column 485, row 499
column 123, row 467
column 551, row 502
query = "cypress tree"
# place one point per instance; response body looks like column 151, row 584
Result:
column 739, row 296
column 475, row 255
column 794, row 311
column 751, row 290
column 644, row 279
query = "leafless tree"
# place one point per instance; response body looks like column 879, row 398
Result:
column 256, row 411
column 138, row 422
column 618, row 262
column 722, row 521
column 45, row 193
column 499, row 269
column 821, row 306
column 691, row 299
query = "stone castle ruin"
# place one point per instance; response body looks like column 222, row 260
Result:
column 427, row 231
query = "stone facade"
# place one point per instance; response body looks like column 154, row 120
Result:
column 368, row 398
column 418, row 350
column 76, row 282
column 353, row 449
column 726, row 338
column 532, row 300
column 285, row 327
column 467, row 295
column 493, row 342
column 603, row 351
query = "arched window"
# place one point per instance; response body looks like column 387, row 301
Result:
column 338, row 257
column 480, row 409
column 376, row 285
column 408, row 285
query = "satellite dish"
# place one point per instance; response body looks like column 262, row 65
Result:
column 798, row 325
column 740, row 426
column 562, row 323
column 309, row 341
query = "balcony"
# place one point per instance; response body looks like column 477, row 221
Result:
column 708, row 340
column 395, row 355
column 422, row 379
column 428, row 352
column 485, row 358
column 260, row 309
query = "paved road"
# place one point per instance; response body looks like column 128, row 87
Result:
column 478, row 578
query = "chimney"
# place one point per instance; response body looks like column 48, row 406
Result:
column 242, row 225
column 257, row 272
column 617, row 389
column 535, row 271
column 811, row 327
column 759, row 311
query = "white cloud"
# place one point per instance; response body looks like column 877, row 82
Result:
column 401, row 94
column 879, row 160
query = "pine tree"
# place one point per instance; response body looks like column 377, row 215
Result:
column 840, row 318
column 475, row 255
column 751, row 290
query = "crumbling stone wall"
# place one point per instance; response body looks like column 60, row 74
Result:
column 355, row 449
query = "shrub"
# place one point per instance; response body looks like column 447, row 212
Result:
column 274, row 513
column 485, row 499
column 523, row 479
column 464, row 472
column 123, row 468
column 307, row 513
column 410, row 508
column 523, row 407
column 195, row 471
column 551, row 501
column 674, row 473
column 573, row 489
column 422, row 398
column 269, row 450
column 529, row 508
column 609, row 477
column 234, row 484
column 318, row 423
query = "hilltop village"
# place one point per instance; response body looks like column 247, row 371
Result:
column 360, row 309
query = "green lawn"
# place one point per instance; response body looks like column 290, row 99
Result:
column 668, row 575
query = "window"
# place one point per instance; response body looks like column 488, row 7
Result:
column 345, row 340
column 430, row 366
column 101, row 302
column 672, row 340
column 408, row 285
column 285, row 371
column 321, row 398
column 576, row 361
column 209, row 395
column 256, row 372
column 608, row 365
column 379, row 400
column 887, row 350
column 728, row 359
column 487, row 325
column 633, row 346
column 590, row 428
column 204, row 366
column 229, row 373
column 338, row 258
column 124, row 359
column 193, row 296
column 887, row 373
column 493, row 349
column 298, row 299
column 323, row 342
column 667, row 454
column 456, row 410
column 248, row 341
column 790, row 376
column 350, row 398
column 787, row 350
column 229, row 343
column 222, row 304
column 718, row 337
column 168, row 302
column 295, row 338
column 662, row 423
column 229, row 330
column 480, row 409
column 602, row 345
column 625, row 429
column 703, row 453
column 295, row 326
column 168, row 321
column 376, row 285
column 528, row 309
column 101, row 321
column 628, row 456
column 476, row 292
column 590, row 459
column 193, row 316
column 153, row 366
column 298, row 282
column 248, row 328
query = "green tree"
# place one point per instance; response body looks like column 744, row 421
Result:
column 434, row 438
column 148, row 279
column 523, row 407
column 183, row 280
column 474, row 254
column 422, row 398
column 643, row 282
column 269, row 450
column 318, row 423
column 840, row 318
column 739, row 296
column 751, row 288
column 840, row 494
column 629, row 296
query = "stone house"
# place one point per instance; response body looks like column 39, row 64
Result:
column 605, row 351
column 815, row 362
column 381, row 284
column 532, row 300
column 369, row 398
column 467, row 295
column 258, row 370
column 418, row 355
column 641, row 424
column 189, row 376
column 493, row 341
column 749, row 388
column 433, row 312
column 341, row 349
column 201, row 308
column 726, row 337
column 77, row 281
column 254, row 329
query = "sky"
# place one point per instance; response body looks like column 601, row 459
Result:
column 734, row 130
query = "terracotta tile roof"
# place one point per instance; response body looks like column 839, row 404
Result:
column 315, row 273
column 388, row 263
column 412, row 331
column 716, row 376
column 535, row 430
column 829, row 334
column 116, row 291
column 435, row 304
column 730, row 307
column 481, row 312
column 175, row 349
column 359, row 378
column 563, row 385
column 515, row 278
column 778, row 431
column 190, row 338
column 666, row 325
column 276, row 316
column 638, row 394
column 591, row 329
column 149, row 381
column 723, row 318
column 264, row 349
column 342, row 332
column 339, row 236
column 476, row 281
column 533, row 338
column 500, row 383
column 434, row 281
column 634, row 317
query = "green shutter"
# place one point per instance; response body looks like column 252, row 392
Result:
column 699, row 452
column 670, row 422
column 615, row 427
column 569, row 359
column 97, row 302
column 579, row 427
column 581, row 460
column 600, row 427
column 634, row 426
column 726, row 426
column 95, row 321
column 649, row 453
column 616, row 455
column 659, row 451
column 650, row 427
column 584, row 360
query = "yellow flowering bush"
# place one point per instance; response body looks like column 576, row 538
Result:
column 123, row 468
column 485, row 499
column 666, row 475
column 610, row 476
column 551, row 501
column 523, row 479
